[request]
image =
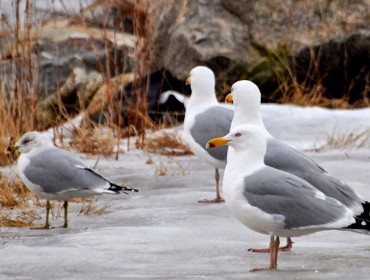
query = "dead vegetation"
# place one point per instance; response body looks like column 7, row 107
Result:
column 89, row 207
column 15, row 199
column 168, row 144
column 13, row 193
column 95, row 140
column 349, row 140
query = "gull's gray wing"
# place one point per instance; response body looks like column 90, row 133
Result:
column 283, row 157
column 214, row 122
column 56, row 170
column 280, row 193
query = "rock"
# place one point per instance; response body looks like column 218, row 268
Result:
column 66, row 73
column 189, row 33
column 228, row 36
column 343, row 68
column 125, row 94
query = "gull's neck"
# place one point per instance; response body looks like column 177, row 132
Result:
column 251, row 115
column 246, row 161
column 200, row 100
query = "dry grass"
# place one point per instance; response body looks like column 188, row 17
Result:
column 13, row 193
column 88, row 207
column 168, row 144
column 274, row 67
column 95, row 140
column 18, row 93
column 348, row 141
column 22, row 218
column 295, row 93
column 15, row 208
column 169, row 166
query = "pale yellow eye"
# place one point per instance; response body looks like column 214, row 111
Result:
column 238, row 134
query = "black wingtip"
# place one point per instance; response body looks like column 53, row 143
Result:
column 121, row 189
column 362, row 220
column 363, row 224
column 130, row 189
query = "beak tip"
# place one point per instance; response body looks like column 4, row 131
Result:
column 229, row 98
column 188, row 81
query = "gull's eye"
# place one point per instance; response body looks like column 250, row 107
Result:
column 238, row 134
column 25, row 141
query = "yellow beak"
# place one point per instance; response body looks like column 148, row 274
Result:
column 188, row 81
column 229, row 98
column 11, row 149
column 216, row 142
column 12, row 152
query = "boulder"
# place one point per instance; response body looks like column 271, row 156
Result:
column 342, row 68
column 228, row 36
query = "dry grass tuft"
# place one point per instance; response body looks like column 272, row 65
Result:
column 349, row 141
column 14, row 204
column 89, row 208
column 161, row 170
column 295, row 93
column 95, row 140
column 13, row 194
column 170, row 167
column 168, row 144
column 23, row 218
column 274, row 69
column 346, row 140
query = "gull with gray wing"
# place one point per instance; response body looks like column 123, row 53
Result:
column 56, row 174
column 275, row 202
column 246, row 97
column 206, row 118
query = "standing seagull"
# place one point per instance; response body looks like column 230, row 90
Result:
column 205, row 118
column 56, row 174
column 275, row 202
column 246, row 97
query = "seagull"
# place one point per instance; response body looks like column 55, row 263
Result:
column 274, row 202
column 205, row 118
column 246, row 97
column 56, row 174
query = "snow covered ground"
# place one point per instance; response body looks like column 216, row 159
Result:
column 163, row 233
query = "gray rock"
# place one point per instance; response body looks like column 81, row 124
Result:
column 197, row 32
column 228, row 35
column 74, row 68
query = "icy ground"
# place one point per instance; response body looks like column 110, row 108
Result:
column 163, row 233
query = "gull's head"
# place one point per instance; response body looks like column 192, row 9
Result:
column 201, row 79
column 244, row 93
column 243, row 137
column 31, row 140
